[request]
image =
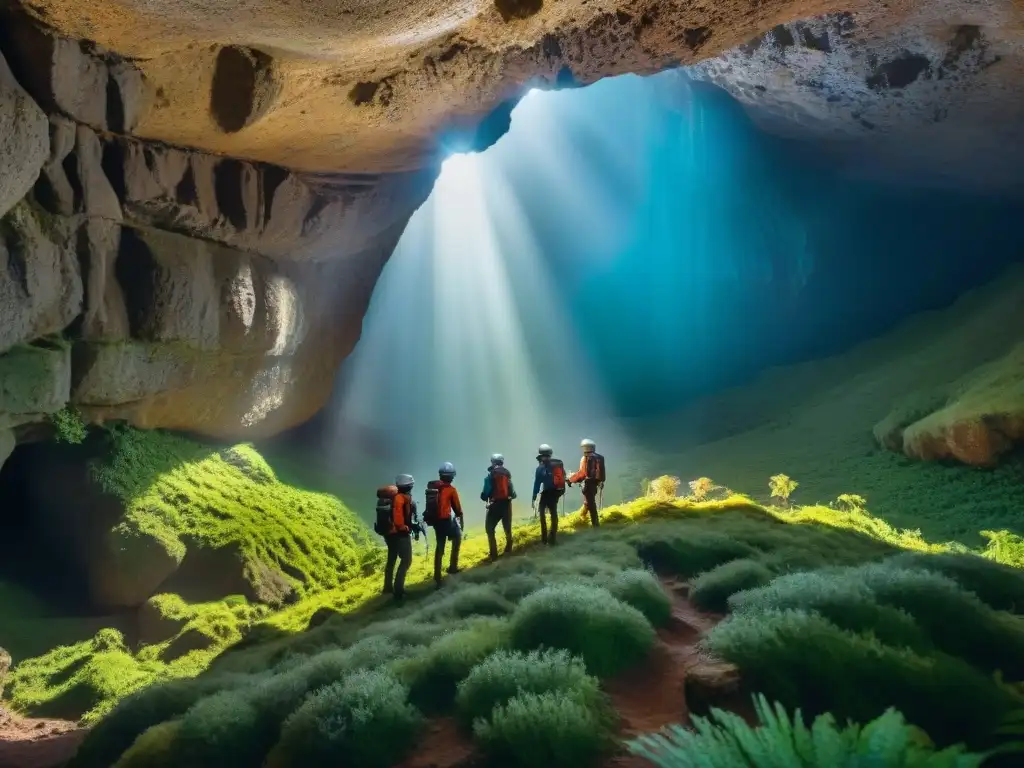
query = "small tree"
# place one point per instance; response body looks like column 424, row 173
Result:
column 664, row 487
column 700, row 488
column 781, row 487
column 69, row 425
column 850, row 502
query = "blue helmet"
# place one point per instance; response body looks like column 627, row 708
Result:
column 446, row 470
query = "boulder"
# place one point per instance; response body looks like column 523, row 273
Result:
column 208, row 574
column 154, row 626
column 982, row 420
column 35, row 380
column 40, row 277
column 712, row 683
column 24, row 140
column 125, row 565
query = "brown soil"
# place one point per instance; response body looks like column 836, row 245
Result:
column 32, row 743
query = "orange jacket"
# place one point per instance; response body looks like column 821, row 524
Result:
column 399, row 513
column 582, row 473
column 447, row 501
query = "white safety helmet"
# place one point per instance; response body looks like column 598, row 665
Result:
column 588, row 445
column 404, row 480
column 497, row 460
column 447, row 469
column 546, row 450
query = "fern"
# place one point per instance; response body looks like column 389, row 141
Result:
column 780, row 741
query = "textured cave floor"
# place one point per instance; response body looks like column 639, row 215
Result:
column 36, row 743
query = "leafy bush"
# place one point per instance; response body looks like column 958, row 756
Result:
column 1000, row 586
column 505, row 674
column 587, row 621
column 850, row 502
column 642, row 590
column 802, row 659
column 365, row 720
column 958, row 622
column 845, row 601
column 725, row 741
column 433, row 674
column 112, row 735
column 781, row 487
column 470, row 600
column 545, row 729
column 712, row 589
column 700, row 488
column 223, row 730
column 688, row 554
column 69, row 426
column 664, row 487
column 518, row 585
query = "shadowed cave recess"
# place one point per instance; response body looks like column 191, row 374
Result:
column 255, row 264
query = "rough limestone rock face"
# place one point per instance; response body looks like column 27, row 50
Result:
column 934, row 100
column 212, row 191
column 24, row 142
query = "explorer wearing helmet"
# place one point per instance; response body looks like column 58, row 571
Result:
column 396, row 515
column 448, row 521
column 549, row 481
column 497, row 494
column 591, row 474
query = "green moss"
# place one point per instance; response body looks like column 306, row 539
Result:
column 177, row 489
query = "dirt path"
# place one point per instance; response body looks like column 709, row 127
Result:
column 32, row 743
column 647, row 698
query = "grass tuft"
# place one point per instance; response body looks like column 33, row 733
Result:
column 712, row 589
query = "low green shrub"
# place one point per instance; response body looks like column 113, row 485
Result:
column 470, row 600
column 712, row 589
column 113, row 734
column 641, row 589
column 518, row 585
column 692, row 553
column 609, row 635
column 365, row 720
column 553, row 729
column 433, row 673
column 223, row 731
column 1000, row 586
column 958, row 622
column 846, row 602
column 802, row 659
column 505, row 674
column 726, row 741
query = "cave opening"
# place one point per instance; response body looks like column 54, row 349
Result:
column 626, row 248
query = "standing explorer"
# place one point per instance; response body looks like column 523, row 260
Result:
column 497, row 494
column 396, row 517
column 592, row 474
column 549, row 481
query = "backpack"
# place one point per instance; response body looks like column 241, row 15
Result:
column 556, row 470
column 595, row 467
column 501, row 480
column 431, row 511
column 385, row 520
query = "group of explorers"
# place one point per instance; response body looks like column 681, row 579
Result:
column 398, row 520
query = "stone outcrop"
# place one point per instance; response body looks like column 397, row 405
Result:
column 968, row 406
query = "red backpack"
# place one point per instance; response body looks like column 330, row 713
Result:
column 501, row 479
column 557, row 469
column 431, row 511
column 595, row 467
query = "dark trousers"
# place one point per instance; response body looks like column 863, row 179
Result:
column 400, row 551
column 548, row 504
column 590, row 500
column 499, row 512
column 445, row 531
